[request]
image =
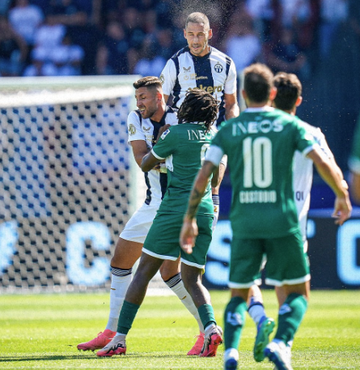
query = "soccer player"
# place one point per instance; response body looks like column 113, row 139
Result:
column 260, row 145
column 182, row 147
column 144, row 126
column 288, row 98
column 202, row 66
column 354, row 165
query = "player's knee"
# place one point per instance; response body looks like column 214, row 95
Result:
column 126, row 254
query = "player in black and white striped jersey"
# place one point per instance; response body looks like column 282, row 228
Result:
column 203, row 66
column 145, row 124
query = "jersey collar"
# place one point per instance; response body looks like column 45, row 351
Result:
column 266, row 108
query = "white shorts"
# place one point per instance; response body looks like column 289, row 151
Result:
column 139, row 224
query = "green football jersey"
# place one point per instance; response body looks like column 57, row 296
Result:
column 184, row 148
column 260, row 146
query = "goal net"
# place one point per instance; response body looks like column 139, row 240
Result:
column 68, row 181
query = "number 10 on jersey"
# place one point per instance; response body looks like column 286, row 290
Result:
column 257, row 155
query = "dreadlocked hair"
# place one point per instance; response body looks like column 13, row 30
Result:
column 198, row 106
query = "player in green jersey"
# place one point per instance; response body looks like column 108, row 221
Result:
column 288, row 98
column 260, row 145
column 183, row 148
column 354, row 165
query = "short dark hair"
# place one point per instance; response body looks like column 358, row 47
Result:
column 258, row 81
column 289, row 89
column 198, row 106
column 149, row 82
column 199, row 18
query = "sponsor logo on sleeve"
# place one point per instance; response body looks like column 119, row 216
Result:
column 132, row 129
column 164, row 134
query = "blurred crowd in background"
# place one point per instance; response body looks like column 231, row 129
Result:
column 110, row 37
column 319, row 40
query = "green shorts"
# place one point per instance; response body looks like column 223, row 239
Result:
column 287, row 264
column 162, row 240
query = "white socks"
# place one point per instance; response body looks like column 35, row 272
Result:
column 177, row 286
column 231, row 353
column 256, row 312
column 120, row 281
column 256, row 308
column 209, row 329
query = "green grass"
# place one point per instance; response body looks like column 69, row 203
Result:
column 42, row 331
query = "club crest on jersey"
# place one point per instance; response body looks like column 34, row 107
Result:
column 132, row 129
column 164, row 134
column 162, row 79
column 218, row 67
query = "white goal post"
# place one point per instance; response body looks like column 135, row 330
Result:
column 68, row 180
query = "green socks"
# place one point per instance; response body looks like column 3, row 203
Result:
column 206, row 313
column 234, row 318
column 290, row 316
column 127, row 316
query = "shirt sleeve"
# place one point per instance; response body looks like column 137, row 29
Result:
column 168, row 77
column 214, row 155
column 321, row 140
column 164, row 147
column 171, row 117
column 135, row 131
column 231, row 81
column 304, row 136
column 224, row 160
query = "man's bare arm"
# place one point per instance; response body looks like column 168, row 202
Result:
column 139, row 149
column 231, row 106
column 331, row 175
column 216, row 180
column 148, row 162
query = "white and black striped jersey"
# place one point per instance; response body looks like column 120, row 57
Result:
column 303, row 177
column 147, row 130
column 214, row 73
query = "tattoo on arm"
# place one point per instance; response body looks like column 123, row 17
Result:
column 195, row 199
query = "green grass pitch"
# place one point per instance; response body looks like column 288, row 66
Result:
column 42, row 331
